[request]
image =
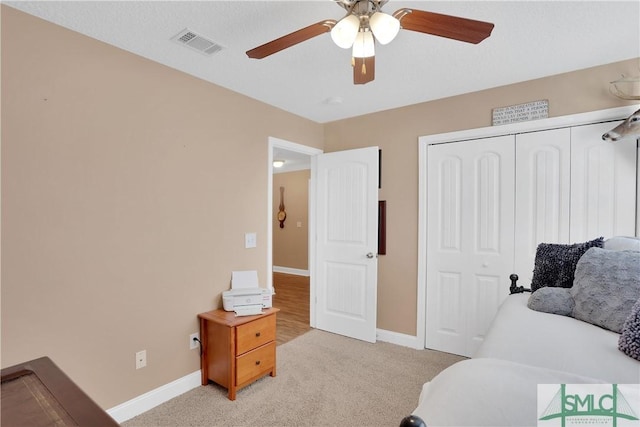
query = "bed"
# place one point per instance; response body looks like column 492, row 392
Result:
column 525, row 348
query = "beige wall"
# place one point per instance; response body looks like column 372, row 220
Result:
column 127, row 188
column 291, row 243
column 396, row 132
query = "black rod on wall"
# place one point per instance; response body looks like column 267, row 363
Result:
column 382, row 227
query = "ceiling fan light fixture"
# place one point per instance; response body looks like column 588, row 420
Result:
column 384, row 27
column 345, row 31
column 364, row 23
column 364, row 46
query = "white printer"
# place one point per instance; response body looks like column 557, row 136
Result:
column 245, row 296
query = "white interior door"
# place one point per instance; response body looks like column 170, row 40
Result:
column 470, row 239
column 346, row 242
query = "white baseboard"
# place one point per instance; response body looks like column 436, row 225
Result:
column 153, row 398
column 399, row 339
column 288, row 270
column 149, row 400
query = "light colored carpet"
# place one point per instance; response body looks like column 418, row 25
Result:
column 322, row 379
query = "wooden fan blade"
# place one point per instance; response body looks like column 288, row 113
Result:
column 291, row 39
column 364, row 70
column 451, row 27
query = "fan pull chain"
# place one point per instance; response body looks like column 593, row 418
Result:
column 363, row 68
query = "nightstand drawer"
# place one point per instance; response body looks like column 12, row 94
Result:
column 254, row 334
column 255, row 363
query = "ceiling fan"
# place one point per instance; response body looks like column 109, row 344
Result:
column 365, row 23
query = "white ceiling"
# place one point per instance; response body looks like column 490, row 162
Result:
column 531, row 39
column 293, row 161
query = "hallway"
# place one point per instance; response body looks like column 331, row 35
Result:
column 292, row 298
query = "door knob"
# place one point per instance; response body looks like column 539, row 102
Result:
column 370, row 255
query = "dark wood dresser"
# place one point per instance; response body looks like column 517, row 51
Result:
column 38, row 393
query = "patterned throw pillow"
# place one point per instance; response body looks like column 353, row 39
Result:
column 555, row 263
column 606, row 286
column 629, row 342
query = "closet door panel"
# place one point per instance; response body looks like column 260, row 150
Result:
column 446, row 316
column 470, row 239
column 543, row 181
column 487, row 293
column 450, row 203
column 603, row 184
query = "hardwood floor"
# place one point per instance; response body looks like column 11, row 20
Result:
column 292, row 298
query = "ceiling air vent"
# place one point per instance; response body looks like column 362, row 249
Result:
column 195, row 41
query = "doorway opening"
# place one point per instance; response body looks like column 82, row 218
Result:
column 290, row 253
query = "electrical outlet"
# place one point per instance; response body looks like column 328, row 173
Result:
column 192, row 340
column 141, row 359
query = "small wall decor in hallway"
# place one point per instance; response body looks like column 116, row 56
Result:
column 282, row 214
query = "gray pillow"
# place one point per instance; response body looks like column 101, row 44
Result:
column 555, row 263
column 622, row 243
column 606, row 285
column 552, row 300
column 629, row 342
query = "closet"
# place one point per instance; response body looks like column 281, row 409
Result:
column 490, row 201
column 571, row 187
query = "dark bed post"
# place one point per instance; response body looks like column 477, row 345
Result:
column 412, row 421
column 514, row 289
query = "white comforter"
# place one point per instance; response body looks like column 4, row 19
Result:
column 562, row 343
column 524, row 348
column 488, row 392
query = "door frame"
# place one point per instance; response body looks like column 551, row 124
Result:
column 273, row 143
column 611, row 114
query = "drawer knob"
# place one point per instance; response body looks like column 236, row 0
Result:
column 257, row 362
column 257, row 334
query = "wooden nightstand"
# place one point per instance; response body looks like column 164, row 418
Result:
column 237, row 350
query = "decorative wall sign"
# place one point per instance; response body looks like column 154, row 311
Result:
column 520, row 113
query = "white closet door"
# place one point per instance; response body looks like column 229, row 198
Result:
column 470, row 239
column 603, row 184
column 543, row 182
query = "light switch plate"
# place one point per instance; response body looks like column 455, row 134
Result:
column 250, row 240
column 141, row 359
